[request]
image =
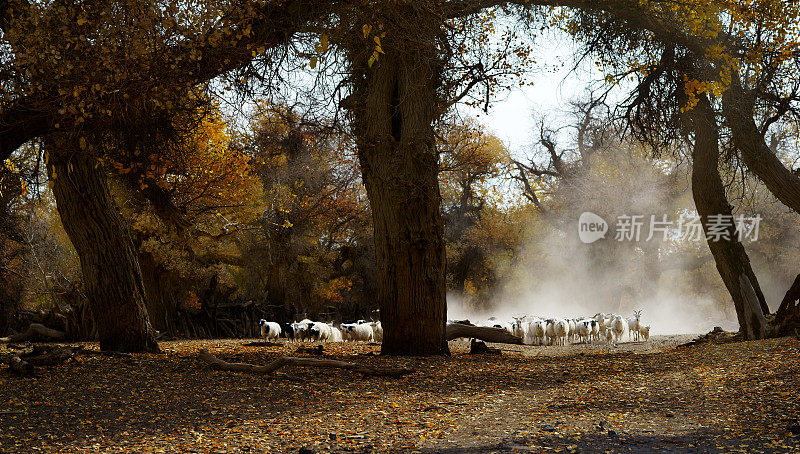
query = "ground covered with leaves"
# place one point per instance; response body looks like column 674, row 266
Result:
column 734, row 397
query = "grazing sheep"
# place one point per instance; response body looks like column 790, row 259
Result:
column 269, row 330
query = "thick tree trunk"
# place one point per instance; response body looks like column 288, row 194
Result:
column 157, row 290
column 110, row 268
column 394, row 106
column 709, row 198
column 737, row 105
column 791, row 297
column 756, row 327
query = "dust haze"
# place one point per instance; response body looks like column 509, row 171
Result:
column 670, row 277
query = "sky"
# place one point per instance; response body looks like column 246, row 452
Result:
column 514, row 116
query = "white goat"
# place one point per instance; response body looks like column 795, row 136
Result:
column 633, row 326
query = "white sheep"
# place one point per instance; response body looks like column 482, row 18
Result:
column 301, row 329
column 519, row 327
column 269, row 330
column 320, row 331
column 536, row 332
column 562, row 332
column 618, row 328
column 609, row 336
column 346, row 336
column 594, row 330
column 573, row 329
column 361, row 332
column 583, row 331
column 336, row 334
column 550, row 331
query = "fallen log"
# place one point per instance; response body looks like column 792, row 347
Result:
column 496, row 335
column 218, row 364
column 36, row 331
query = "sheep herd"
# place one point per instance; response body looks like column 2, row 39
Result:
column 533, row 330
column 601, row 328
column 322, row 332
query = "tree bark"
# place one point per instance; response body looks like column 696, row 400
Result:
column 709, row 198
column 738, row 107
column 789, row 299
column 394, row 106
column 756, row 327
column 111, row 273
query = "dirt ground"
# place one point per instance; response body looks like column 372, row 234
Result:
column 644, row 397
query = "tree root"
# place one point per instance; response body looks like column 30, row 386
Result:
column 218, row 364
column 36, row 331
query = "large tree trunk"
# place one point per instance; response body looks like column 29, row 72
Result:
column 110, row 268
column 709, row 198
column 394, row 106
column 738, row 107
column 157, row 290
